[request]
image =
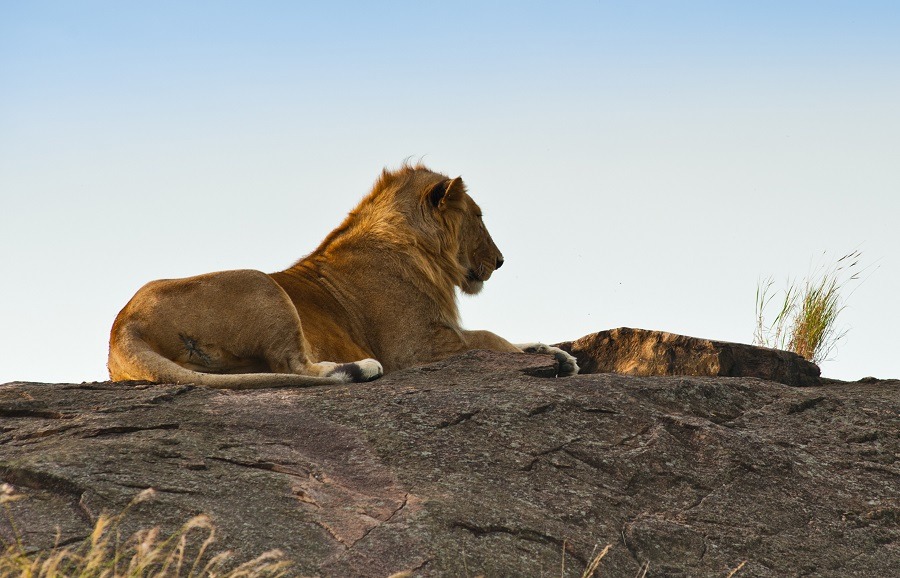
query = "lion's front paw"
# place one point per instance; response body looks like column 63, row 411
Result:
column 358, row 371
column 568, row 365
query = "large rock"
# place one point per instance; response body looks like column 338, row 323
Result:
column 479, row 464
column 644, row 352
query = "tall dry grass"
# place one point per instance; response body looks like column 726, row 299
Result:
column 146, row 554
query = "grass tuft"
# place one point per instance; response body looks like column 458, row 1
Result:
column 806, row 316
column 146, row 554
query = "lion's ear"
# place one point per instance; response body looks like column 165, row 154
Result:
column 446, row 192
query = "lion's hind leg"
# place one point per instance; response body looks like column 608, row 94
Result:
column 283, row 352
column 270, row 327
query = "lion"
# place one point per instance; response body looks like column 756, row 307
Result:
column 378, row 295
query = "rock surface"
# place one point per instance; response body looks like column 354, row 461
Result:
column 481, row 464
column 644, row 352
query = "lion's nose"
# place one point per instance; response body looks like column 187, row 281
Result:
column 499, row 262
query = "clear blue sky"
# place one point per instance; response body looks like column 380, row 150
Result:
column 639, row 163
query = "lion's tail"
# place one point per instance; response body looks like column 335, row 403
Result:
column 132, row 358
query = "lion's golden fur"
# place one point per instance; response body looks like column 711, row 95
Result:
column 381, row 285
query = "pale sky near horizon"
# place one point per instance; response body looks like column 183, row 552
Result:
column 639, row 164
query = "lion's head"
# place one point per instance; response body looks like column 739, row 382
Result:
column 432, row 220
column 476, row 254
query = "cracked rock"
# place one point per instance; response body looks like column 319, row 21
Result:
column 480, row 464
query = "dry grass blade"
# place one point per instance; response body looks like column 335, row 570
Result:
column 8, row 494
column 773, row 335
column 735, row 571
column 271, row 563
column 595, row 562
column 562, row 564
